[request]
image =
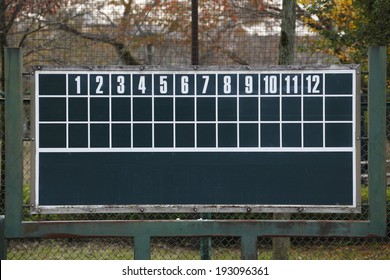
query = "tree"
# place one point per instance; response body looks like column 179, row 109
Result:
column 281, row 245
column 374, row 26
column 13, row 12
column 335, row 22
column 347, row 28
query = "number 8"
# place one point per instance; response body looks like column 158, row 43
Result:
column 227, row 84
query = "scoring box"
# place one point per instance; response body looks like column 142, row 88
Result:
column 210, row 139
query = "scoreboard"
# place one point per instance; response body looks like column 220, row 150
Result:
column 208, row 139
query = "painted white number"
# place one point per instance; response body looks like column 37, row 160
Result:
column 141, row 84
column 163, row 84
column 313, row 82
column 78, row 84
column 227, row 84
column 248, row 84
column 270, row 84
column 121, row 84
column 99, row 81
column 295, row 84
column 206, row 83
column 184, row 85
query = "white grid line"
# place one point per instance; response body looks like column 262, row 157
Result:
column 219, row 93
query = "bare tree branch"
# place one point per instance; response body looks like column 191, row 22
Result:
column 125, row 55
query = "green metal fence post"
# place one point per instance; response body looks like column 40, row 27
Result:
column 249, row 247
column 205, row 242
column 3, row 241
column 142, row 247
column 13, row 143
column 377, row 139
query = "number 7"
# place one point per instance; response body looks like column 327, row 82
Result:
column 206, row 83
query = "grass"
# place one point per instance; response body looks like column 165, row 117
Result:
column 364, row 194
column 122, row 249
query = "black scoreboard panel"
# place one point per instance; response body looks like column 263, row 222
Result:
column 216, row 139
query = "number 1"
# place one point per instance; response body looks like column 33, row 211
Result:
column 78, row 84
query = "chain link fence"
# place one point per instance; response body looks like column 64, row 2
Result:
column 231, row 32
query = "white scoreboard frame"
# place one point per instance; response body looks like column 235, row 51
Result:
column 228, row 72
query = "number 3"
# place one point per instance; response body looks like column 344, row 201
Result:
column 121, row 84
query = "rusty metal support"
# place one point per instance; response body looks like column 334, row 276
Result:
column 168, row 228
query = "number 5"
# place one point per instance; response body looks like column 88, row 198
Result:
column 163, row 84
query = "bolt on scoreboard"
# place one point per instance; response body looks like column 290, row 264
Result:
column 207, row 139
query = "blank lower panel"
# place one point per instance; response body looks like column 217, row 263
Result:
column 291, row 178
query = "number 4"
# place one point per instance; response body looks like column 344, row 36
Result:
column 142, row 84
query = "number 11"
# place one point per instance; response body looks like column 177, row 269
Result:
column 295, row 84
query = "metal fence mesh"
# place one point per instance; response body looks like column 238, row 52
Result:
column 159, row 32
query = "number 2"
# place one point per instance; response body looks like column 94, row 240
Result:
column 99, row 81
